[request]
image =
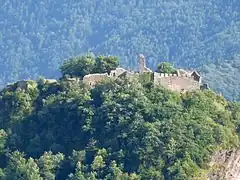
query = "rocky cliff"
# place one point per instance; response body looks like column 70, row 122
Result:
column 225, row 164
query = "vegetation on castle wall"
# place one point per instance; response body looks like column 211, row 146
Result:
column 118, row 130
column 166, row 67
column 146, row 77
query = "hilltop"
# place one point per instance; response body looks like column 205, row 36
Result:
column 117, row 129
column 91, row 70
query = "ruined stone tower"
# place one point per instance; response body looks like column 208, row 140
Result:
column 142, row 64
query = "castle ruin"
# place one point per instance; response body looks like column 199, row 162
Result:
column 181, row 81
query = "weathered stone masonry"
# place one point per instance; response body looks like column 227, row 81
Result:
column 177, row 82
column 182, row 81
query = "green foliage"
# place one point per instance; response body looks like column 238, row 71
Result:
column 166, row 67
column 19, row 168
column 222, row 77
column 17, row 103
column 122, row 129
column 3, row 137
column 78, row 66
column 83, row 65
column 2, row 175
column 146, row 78
column 106, row 64
column 48, row 164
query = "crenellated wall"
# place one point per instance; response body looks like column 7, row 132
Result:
column 176, row 82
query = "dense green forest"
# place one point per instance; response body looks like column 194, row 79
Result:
column 224, row 77
column 120, row 129
column 36, row 36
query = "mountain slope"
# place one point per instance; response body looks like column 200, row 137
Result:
column 224, row 77
column 119, row 130
column 37, row 36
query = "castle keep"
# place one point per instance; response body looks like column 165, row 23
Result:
column 181, row 81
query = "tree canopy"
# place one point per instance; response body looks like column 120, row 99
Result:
column 166, row 67
column 223, row 77
column 119, row 130
column 88, row 64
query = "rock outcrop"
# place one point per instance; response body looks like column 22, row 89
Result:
column 225, row 164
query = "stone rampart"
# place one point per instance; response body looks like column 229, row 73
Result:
column 174, row 82
column 93, row 79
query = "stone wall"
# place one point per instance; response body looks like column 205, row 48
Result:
column 93, row 79
column 117, row 72
column 182, row 81
column 176, row 82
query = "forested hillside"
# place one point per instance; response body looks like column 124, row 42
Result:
column 36, row 36
column 223, row 77
column 121, row 129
